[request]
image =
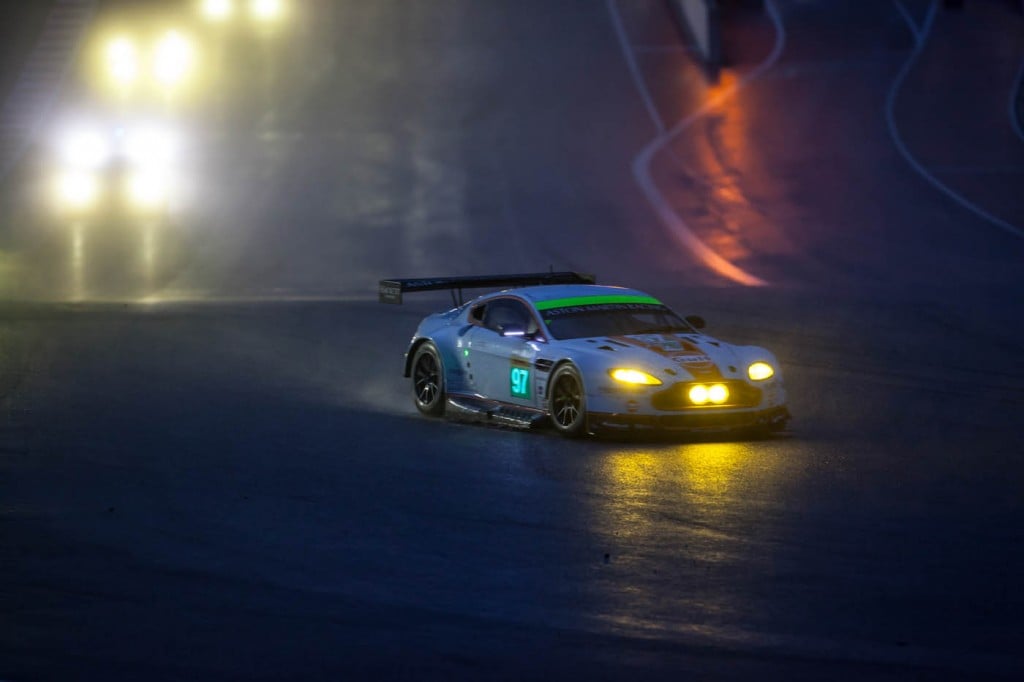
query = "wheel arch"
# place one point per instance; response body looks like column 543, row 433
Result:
column 411, row 353
column 555, row 367
column 580, row 373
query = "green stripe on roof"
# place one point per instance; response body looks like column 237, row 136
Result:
column 594, row 300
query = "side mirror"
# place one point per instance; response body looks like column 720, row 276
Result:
column 695, row 321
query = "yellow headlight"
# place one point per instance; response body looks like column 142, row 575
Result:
column 718, row 394
column 759, row 371
column 148, row 191
column 699, row 394
column 77, row 190
column 84, row 149
column 266, row 10
column 217, row 10
column 634, row 376
column 122, row 61
column 150, row 148
column 172, row 59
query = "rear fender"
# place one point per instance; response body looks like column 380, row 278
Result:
column 411, row 353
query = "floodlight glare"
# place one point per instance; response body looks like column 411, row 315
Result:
column 172, row 59
column 266, row 10
column 77, row 189
column 122, row 61
column 84, row 149
column 218, row 10
column 148, row 190
column 150, row 147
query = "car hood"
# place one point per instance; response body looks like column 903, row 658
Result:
column 701, row 357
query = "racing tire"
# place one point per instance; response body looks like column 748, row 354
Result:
column 428, row 381
column 567, row 402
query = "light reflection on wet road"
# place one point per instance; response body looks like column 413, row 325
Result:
column 213, row 452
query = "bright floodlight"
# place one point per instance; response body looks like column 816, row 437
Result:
column 148, row 190
column 77, row 189
column 172, row 59
column 266, row 10
column 150, row 147
column 122, row 61
column 84, row 149
column 217, row 10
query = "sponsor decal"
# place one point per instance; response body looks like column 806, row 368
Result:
column 695, row 359
column 681, row 351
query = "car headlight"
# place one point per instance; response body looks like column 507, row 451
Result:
column 634, row 376
column 77, row 190
column 716, row 394
column 148, row 190
column 759, row 371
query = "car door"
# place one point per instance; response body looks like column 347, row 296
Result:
column 501, row 351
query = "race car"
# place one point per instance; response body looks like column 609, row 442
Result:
column 555, row 348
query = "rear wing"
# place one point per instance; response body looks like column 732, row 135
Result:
column 391, row 290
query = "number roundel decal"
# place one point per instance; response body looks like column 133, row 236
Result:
column 519, row 382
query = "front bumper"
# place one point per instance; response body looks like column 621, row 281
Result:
column 773, row 419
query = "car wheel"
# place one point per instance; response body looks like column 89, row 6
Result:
column 428, row 381
column 567, row 403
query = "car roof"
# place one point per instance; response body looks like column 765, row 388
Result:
column 540, row 294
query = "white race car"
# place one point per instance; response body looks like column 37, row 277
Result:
column 584, row 358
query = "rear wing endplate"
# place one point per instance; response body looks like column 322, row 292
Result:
column 391, row 290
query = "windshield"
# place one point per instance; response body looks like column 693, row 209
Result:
column 584, row 321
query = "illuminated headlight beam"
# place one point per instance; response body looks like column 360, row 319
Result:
column 172, row 59
column 150, row 147
column 149, row 191
column 218, row 10
column 84, row 149
column 122, row 61
column 716, row 394
column 77, row 189
column 759, row 371
column 266, row 10
column 634, row 377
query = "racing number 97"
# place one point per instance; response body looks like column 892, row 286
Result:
column 519, row 380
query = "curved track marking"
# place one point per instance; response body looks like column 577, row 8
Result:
column 634, row 68
column 914, row 28
column 641, row 163
column 921, row 37
column 1015, row 96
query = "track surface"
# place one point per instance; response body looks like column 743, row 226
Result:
column 232, row 489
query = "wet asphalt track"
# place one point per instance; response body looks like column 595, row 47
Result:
column 226, row 489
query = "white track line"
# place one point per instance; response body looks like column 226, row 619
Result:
column 1015, row 95
column 914, row 28
column 890, row 104
column 641, row 164
column 634, row 68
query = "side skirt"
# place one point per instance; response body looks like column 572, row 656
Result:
column 482, row 410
